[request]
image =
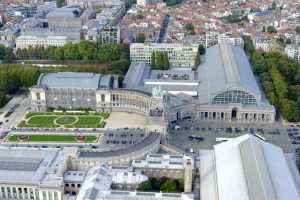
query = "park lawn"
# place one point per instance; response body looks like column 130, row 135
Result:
column 88, row 120
column 53, row 138
column 48, row 121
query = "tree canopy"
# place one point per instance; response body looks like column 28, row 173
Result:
column 160, row 60
column 280, row 79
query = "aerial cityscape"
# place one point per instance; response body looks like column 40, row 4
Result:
column 149, row 100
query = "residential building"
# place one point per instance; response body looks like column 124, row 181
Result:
column 293, row 52
column 262, row 43
column 8, row 37
column 146, row 2
column 180, row 55
column 102, row 32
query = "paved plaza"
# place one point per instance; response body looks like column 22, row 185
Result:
column 125, row 120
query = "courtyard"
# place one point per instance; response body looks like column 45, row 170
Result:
column 64, row 120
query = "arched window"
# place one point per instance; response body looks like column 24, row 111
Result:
column 234, row 96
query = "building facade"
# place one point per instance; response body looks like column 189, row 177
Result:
column 99, row 92
column 293, row 52
column 36, row 174
column 180, row 55
column 104, row 34
column 228, row 90
column 26, row 41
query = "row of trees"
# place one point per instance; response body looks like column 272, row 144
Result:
column 160, row 60
column 172, row 2
column 6, row 53
column 14, row 77
column 162, row 184
column 84, row 50
column 280, row 80
column 201, row 51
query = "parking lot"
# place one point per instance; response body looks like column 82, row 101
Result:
column 208, row 132
column 123, row 137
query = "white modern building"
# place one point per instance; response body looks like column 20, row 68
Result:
column 247, row 168
column 25, row 41
column 293, row 52
column 180, row 55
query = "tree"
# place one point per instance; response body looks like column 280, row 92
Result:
column 58, row 53
column 297, row 29
column 166, row 61
column 60, row 3
column 145, row 186
column 160, row 60
column 9, row 55
column 153, row 64
column 197, row 60
column 3, row 99
column 169, row 186
column 287, row 109
column 258, row 63
column 248, row 45
column 274, row 5
column 140, row 38
column 201, row 49
column 190, row 28
column 271, row 29
column 233, row 19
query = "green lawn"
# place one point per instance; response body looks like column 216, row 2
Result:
column 53, row 138
column 88, row 120
column 53, row 120
column 47, row 121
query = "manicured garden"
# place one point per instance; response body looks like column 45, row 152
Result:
column 52, row 138
column 64, row 119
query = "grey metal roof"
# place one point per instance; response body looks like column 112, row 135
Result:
column 74, row 80
column 137, row 72
column 147, row 141
column 226, row 66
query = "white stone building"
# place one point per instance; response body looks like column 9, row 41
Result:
column 25, row 41
column 36, row 174
column 293, row 52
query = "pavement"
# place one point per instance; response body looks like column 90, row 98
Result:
column 125, row 119
column 18, row 106
column 274, row 133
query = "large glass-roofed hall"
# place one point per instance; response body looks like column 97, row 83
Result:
column 228, row 89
